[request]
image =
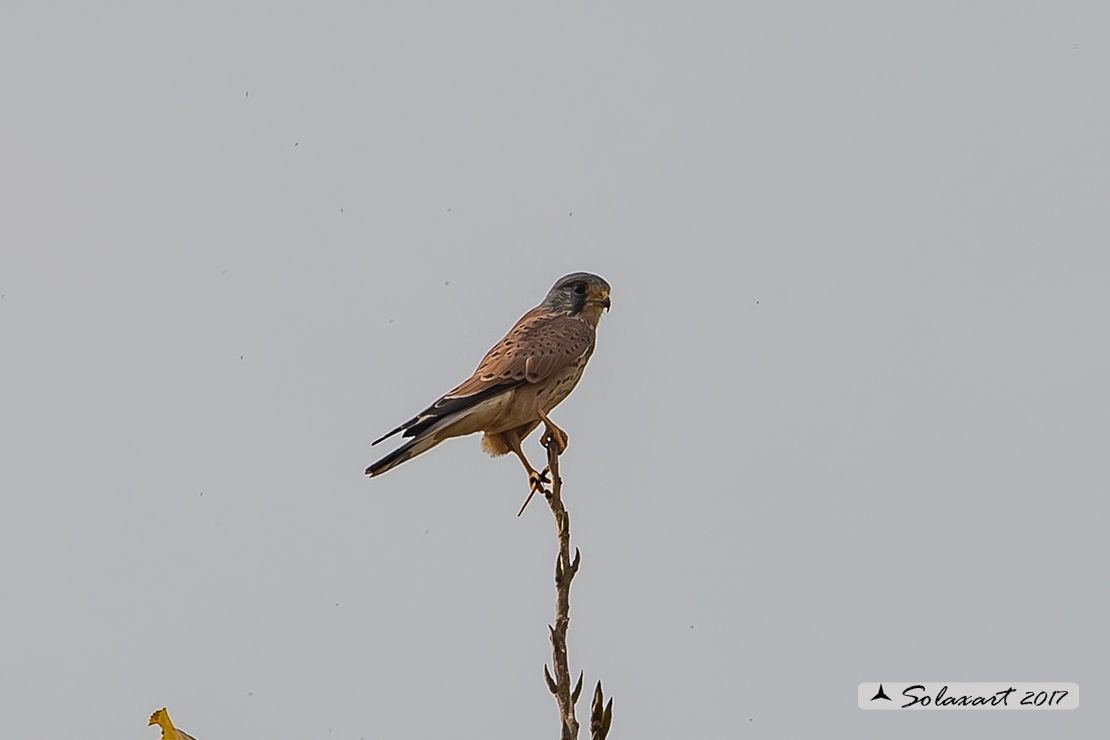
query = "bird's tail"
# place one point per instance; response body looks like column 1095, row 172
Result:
column 407, row 451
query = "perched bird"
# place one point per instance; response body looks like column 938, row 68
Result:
column 169, row 732
column 519, row 381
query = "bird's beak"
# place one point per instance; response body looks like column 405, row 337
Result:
column 605, row 303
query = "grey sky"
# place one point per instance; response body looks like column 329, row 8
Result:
column 847, row 420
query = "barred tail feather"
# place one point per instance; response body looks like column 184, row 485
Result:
column 405, row 452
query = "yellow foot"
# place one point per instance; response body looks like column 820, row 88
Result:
column 555, row 435
column 536, row 481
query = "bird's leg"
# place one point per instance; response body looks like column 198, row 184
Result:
column 553, row 434
column 535, row 480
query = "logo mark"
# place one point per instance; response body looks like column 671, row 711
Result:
column 881, row 695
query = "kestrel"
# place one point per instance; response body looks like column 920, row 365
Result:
column 519, row 381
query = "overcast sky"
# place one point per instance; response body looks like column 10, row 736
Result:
column 847, row 421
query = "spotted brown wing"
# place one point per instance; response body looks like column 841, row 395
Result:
column 537, row 348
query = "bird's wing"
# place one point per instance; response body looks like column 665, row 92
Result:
column 539, row 346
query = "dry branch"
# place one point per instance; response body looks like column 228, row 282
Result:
column 565, row 569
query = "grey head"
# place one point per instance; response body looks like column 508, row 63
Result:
column 579, row 294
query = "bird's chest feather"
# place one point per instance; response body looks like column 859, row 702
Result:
column 555, row 389
column 529, row 399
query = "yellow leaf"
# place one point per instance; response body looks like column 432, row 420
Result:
column 169, row 732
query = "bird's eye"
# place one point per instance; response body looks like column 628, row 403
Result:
column 579, row 288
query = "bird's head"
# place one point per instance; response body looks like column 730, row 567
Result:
column 580, row 294
column 157, row 718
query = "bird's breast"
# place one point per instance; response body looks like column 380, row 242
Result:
column 556, row 388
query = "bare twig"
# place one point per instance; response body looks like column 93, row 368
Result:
column 565, row 569
column 564, row 574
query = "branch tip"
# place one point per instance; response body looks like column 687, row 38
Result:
column 550, row 681
column 601, row 715
column 577, row 689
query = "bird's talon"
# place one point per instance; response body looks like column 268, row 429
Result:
column 558, row 437
column 538, row 480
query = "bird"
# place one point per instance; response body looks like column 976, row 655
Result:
column 169, row 732
column 518, row 382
